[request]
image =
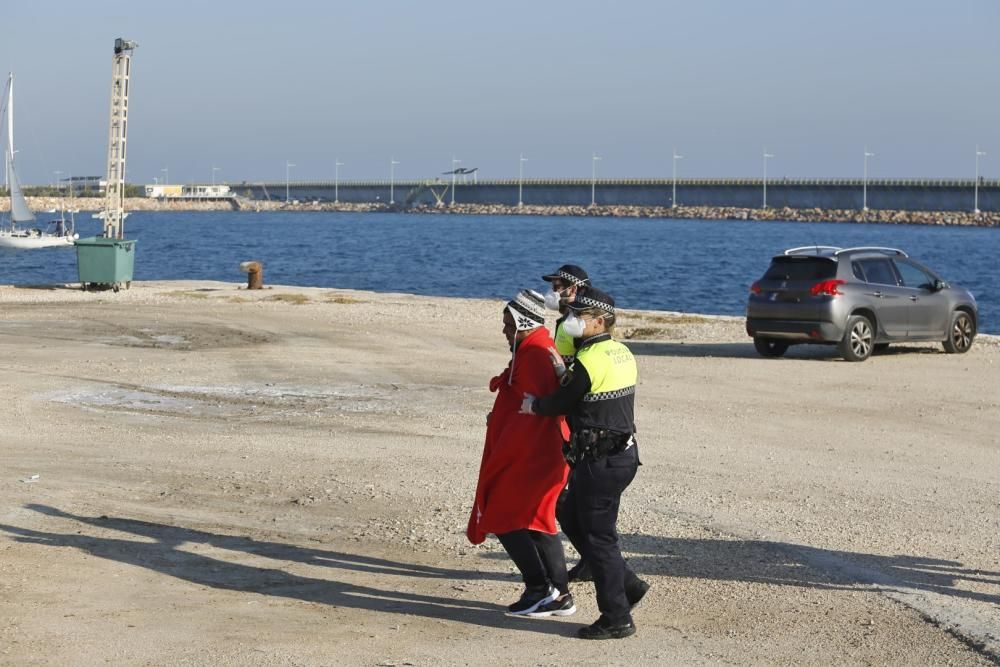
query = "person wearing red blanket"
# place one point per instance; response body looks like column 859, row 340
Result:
column 523, row 470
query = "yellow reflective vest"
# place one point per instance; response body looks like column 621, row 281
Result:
column 610, row 401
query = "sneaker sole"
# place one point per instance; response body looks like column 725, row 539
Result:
column 557, row 612
column 527, row 612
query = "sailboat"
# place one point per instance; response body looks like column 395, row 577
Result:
column 20, row 233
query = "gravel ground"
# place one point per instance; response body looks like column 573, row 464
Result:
column 193, row 473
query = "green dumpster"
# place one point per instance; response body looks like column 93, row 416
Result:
column 105, row 263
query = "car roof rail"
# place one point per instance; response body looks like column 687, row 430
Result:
column 810, row 248
column 886, row 251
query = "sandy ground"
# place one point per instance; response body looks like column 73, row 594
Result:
column 191, row 473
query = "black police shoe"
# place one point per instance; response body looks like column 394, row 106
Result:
column 601, row 629
column 532, row 599
column 580, row 572
column 636, row 591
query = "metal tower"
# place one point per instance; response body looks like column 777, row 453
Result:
column 114, row 208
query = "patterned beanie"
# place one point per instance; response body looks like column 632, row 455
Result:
column 527, row 309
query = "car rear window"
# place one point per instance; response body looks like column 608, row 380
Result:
column 801, row 268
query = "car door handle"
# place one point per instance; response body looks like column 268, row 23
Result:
column 913, row 298
column 875, row 294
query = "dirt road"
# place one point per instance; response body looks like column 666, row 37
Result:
column 191, row 473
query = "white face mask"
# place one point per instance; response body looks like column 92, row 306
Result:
column 573, row 326
column 552, row 300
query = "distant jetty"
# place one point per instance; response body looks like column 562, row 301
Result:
column 956, row 218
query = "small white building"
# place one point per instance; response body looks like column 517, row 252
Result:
column 200, row 191
column 187, row 191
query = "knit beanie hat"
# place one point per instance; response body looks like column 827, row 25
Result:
column 527, row 309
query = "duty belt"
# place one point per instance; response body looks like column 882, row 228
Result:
column 593, row 444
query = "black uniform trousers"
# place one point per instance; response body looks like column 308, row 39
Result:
column 538, row 556
column 589, row 517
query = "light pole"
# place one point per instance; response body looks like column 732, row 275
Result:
column 288, row 168
column 864, row 188
column 454, row 163
column 766, row 156
column 673, row 196
column 215, row 169
column 166, row 176
column 392, row 182
column 593, row 178
column 58, row 173
column 336, row 181
column 979, row 154
column 520, row 180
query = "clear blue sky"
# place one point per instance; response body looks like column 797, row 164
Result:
column 245, row 86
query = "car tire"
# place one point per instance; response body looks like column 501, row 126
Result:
column 769, row 347
column 961, row 333
column 859, row 339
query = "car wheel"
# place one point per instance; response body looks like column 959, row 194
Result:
column 768, row 347
column 859, row 339
column 961, row 334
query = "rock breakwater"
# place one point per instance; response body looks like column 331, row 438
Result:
column 950, row 218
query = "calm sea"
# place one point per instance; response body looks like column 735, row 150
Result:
column 682, row 265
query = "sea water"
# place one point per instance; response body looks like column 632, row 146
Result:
column 696, row 266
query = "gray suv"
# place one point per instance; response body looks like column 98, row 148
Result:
column 859, row 299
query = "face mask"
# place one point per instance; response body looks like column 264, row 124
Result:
column 573, row 326
column 552, row 300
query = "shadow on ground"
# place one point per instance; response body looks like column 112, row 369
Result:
column 747, row 351
column 778, row 563
column 158, row 548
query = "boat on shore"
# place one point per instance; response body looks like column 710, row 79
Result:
column 19, row 231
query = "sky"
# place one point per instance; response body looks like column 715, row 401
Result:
column 248, row 87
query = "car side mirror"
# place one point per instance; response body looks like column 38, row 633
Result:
column 938, row 285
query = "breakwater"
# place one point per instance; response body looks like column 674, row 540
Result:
column 961, row 218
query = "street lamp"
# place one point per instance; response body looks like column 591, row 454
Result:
column 979, row 154
column 673, row 196
column 166, row 176
column 454, row 163
column 392, row 176
column 215, row 169
column 593, row 177
column 766, row 156
column 288, row 167
column 864, row 190
column 520, row 180
column 336, row 181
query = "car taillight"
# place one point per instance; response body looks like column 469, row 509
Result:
column 755, row 288
column 827, row 288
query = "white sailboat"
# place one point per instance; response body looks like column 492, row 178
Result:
column 20, row 232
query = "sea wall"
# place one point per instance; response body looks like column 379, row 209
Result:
column 982, row 219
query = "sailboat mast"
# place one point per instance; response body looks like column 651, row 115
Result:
column 9, row 155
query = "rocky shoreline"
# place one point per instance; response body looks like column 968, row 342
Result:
column 941, row 218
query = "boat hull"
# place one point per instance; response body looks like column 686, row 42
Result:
column 31, row 242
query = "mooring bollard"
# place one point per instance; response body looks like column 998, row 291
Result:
column 255, row 274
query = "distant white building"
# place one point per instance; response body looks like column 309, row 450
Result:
column 187, row 191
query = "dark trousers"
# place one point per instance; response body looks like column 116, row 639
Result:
column 538, row 556
column 589, row 517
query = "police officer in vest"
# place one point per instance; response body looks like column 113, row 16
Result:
column 566, row 282
column 598, row 395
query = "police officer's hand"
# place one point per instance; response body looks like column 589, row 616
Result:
column 526, row 404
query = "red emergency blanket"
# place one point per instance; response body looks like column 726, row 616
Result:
column 523, row 470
